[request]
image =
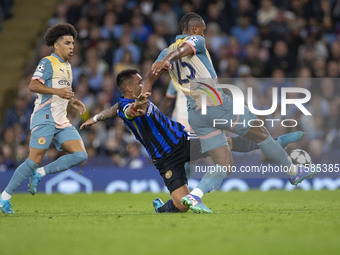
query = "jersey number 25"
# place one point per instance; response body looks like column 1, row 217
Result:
column 189, row 77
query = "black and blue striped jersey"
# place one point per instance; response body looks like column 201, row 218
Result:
column 157, row 133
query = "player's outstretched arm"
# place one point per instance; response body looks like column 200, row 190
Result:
column 142, row 99
column 133, row 112
column 149, row 80
column 37, row 87
column 105, row 114
column 165, row 64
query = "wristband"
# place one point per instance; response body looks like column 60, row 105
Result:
column 95, row 118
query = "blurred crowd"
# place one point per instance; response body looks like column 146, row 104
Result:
column 246, row 39
column 5, row 11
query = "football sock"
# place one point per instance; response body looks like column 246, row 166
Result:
column 211, row 181
column 5, row 196
column 41, row 171
column 241, row 144
column 197, row 192
column 168, row 207
column 20, row 175
column 273, row 151
column 66, row 162
column 293, row 170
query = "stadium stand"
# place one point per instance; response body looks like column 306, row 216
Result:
column 268, row 38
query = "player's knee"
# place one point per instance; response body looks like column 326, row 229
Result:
column 79, row 156
column 37, row 161
column 36, row 156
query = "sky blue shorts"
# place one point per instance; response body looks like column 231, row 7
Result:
column 211, row 132
column 42, row 136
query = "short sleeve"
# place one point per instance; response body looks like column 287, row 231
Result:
column 162, row 55
column 44, row 71
column 121, row 110
column 197, row 42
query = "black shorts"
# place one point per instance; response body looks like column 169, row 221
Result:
column 171, row 167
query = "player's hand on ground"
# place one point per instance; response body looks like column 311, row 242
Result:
column 142, row 99
column 87, row 124
column 65, row 93
column 76, row 103
column 160, row 65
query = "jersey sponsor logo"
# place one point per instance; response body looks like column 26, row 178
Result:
column 151, row 106
column 64, row 82
column 41, row 140
column 168, row 174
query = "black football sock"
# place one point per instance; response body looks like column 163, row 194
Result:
column 241, row 144
column 168, row 207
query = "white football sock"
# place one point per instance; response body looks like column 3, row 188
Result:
column 197, row 192
column 5, row 196
column 41, row 171
column 293, row 170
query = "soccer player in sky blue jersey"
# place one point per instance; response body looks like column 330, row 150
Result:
column 188, row 60
column 52, row 81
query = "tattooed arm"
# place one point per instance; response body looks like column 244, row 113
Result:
column 105, row 114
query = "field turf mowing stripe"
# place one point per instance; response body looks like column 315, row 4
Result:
column 254, row 222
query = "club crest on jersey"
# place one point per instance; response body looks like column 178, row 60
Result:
column 41, row 140
column 168, row 174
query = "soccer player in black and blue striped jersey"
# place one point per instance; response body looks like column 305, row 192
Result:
column 165, row 140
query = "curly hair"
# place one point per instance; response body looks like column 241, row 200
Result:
column 186, row 19
column 55, row 32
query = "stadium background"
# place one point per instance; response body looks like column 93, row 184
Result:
column 245, row 38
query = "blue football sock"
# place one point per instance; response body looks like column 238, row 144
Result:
column 273, row 151
column 168, row 207
column 20, row 175
column 211, row 180
column 65, row 162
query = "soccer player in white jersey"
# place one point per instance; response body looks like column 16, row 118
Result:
column 52, row 81
column 188, row 59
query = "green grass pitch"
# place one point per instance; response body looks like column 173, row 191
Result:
column 254, row 222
